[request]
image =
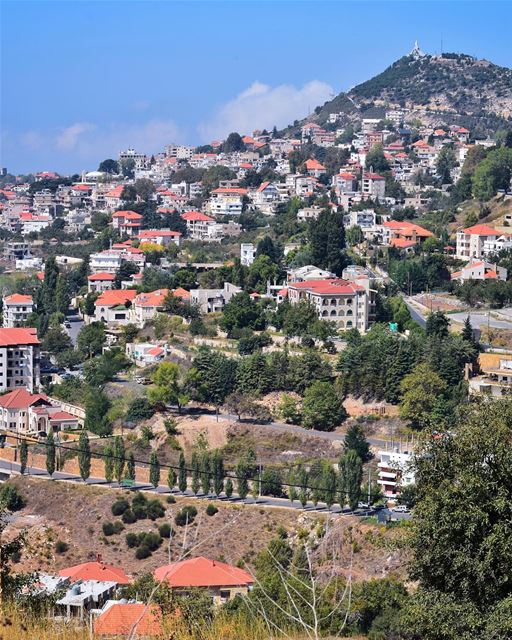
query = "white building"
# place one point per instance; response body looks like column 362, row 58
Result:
column 16, row 309
column 471, row 241
column 100, row 282
column 373, row 185
column 364, row 219
column 145, row 353
column 480, row 270
column 395, row 470
column 247, row 253
column 227, row 201
column 213, row 300
column 19, row 359
column 114, row 307
column 162, row 237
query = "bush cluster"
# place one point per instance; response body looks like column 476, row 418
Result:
column 145, row 543
column 184, row 515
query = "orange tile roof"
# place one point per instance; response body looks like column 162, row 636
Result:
column 202, row 572
column 115, row 192
column 181, row 293
column 481, row 230
column 21, row 399
column 238, row 190
column 156, row 351
column 62, row 415
column 18, row 298
column 114, row 297
column 128, row 215
column 95, row 571
column 103, row 275
column 332, row 286
column 196, row 216
column 152, row 299
column 402, row 243
column 314, row 165
column 10, row 337
column 158, row 233
column 120, row 620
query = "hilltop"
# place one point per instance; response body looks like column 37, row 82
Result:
column 450, row 88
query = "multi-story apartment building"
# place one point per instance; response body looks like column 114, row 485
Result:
column 247, row 253
column 349, row 304
column 227, row 201
column 19, row 359
column 395, row 470
column 16, row 309
column 373, row 185
column 471, row 241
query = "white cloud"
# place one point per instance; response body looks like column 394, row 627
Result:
column 32, row 140
column 262, row 106
column 69, row 137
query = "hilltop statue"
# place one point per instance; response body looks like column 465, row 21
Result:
column 416, row 52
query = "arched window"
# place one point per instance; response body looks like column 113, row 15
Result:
column 333, row 312
column 350, row 312
column 349, row 323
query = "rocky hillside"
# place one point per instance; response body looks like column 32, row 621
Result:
column 449, row 88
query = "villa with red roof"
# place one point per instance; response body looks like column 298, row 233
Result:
column 129, row 619
column 349, row 304
column 97, row 570
column 100, row 282
column 265, row 197
column 147, row 305
column 113, row 198
column 127, row 223
column 162, row 237
column 19, row 359
column 404, row 235
column 16, row 309
column 197, row 224
column 27, row 413
column 226, row 201
column 114, row 307
column 479, row 270
column 222, row 581
column 314, row 168
column 470, row 241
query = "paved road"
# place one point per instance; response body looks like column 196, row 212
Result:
column 76, row 324
column 480, row 320
column 415, row 313
column 60, row 476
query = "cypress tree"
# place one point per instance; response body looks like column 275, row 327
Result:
column 218, row 472
column 23, row 456
column 316, row 477
column 329, row 483
column 242, row 484
column 303, row 478
column 351, row 475
column 356, row 440
column 154, row 469
column 50, row 453
column 292, row 489
column 182, row 474
column 84, row 455
column 171, row 478
column 228, row 490
column 119, row 454
column 108, row 459
column 130, row 467
column 196, row 484
column 205, row 473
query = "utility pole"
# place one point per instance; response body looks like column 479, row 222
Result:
column 259, row 480
column 369, row 484
column 170, row 536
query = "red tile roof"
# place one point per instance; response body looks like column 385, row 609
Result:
column 196, row 216
column 481, row 230
column 114, row 297
column 18, row 298
column 158, row 233
column 238, row 190
column 103, row 275
column 95, row 571
column 372, row 176
column 127, row 215
column 181, row 293
column 155, row 351
column 333, row 286
column 21, row 399
column 115, row 192
column 314, row 165
column 202, row 572
column 127, row 619
column 62, row 415
column 12, row 336
column 402, row 243
column 153, row 299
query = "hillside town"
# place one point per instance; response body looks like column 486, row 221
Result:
column 260, row 387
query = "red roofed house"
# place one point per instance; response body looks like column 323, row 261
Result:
column 344, row 183
column 403, row 235
column 265, row 197
column 222, row 581
column 113, row 198
column 129, row 619
column 147, row 305
column 480, row 270
column 114, row 307
column 373, row 185
column 19, row 359
column 314, row 168
column 163, row 237
column 349, row 304
column 96, row 570
column 16, row 309
column 99, row 282
column 197, row 224
column 470, row 241
column 27, row 413
column 227, row 201
column 127, row 223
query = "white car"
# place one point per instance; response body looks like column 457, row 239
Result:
column 400, row 508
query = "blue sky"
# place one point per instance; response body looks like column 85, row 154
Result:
column 82, row 80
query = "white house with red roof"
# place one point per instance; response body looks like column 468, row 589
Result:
column 349, row 304
column 403, row 235
column 16, row 309
column 113, row 198
column 265, row 197
column 127, row 223
column 96, row 570
column 471, row 241
column 344, row 182
column 100, row 282
column 31, row 223
column 477, row 269
column 145, row 353
column 114, row 307
column 27, row 413
column 19, row 359
column 226, row 201
column 147, row 305
column 162, row 237
column 220, row 580
column 197, row 224
column 314, row 168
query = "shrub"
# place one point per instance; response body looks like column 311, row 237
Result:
column 164, row 530
column 142, row 552
column 140, row 409
column 150, row 540
column 211, row 510
column 140, row 512
column 108, row 529
column 118, row 526
column 170, row 500
column 61, row 546
column 132, row 540
column 11, row 498
column 139, row 498
column 129, row 517
column 184, row 515
column 155, row 509
column 120, row 506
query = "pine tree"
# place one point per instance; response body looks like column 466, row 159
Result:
column 217, row 464
column 196, row 483
column 467, row 331
column 130, row 468
column 84, row 455
column 329, row 483
column 182, row 474
column 228, row 490
column 171, row 478
column 356, row 440
column 119, row 455
column 62, row 299
column 50, row 453
column 154, row 469
column 23, row 456
column 108, row 459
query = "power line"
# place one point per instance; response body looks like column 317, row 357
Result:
column 189, row 470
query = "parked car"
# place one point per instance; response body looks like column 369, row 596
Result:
column 400, row 508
